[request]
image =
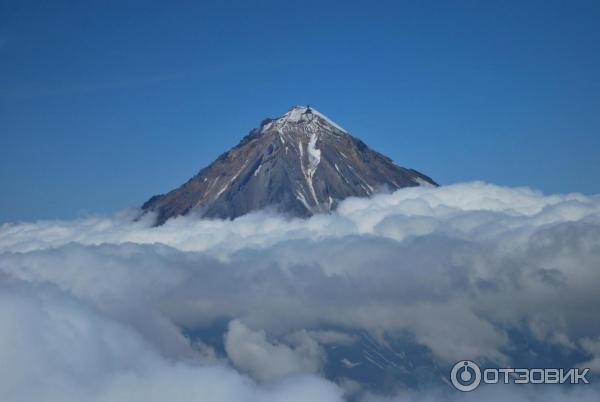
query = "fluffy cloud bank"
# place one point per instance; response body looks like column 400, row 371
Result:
column 53, row 348
column 104, row 308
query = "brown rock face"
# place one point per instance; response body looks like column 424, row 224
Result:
column 299, row 164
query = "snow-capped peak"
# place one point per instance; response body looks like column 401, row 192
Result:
column 301, row 163
column 306, row 114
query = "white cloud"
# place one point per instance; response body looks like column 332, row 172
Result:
column 251, row 352
column 53, row 348
column 498, row 393
column 99, row 303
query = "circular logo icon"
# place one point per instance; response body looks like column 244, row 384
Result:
column 465, row 375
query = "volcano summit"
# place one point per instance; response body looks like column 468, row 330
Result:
column 300, row 164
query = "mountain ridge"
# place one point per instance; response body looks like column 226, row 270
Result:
column 300, row 163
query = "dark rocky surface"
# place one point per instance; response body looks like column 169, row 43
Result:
column 299, row 164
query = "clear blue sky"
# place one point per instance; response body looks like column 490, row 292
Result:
column 104, row 105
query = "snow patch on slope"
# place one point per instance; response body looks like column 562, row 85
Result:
column 328, row 120
column 314, row 154
column 298, row 113
column 222, row 190
column 300, row 197
column 314, row 157
column 423, row 183
column 295, row 114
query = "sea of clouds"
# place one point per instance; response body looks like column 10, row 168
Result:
column 100, row 308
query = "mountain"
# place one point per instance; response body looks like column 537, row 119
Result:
column 301, row 163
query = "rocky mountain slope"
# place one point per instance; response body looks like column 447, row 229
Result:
column 300, row 164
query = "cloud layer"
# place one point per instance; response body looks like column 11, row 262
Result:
column 102, row 308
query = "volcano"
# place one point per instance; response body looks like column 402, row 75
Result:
column 299, row 164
